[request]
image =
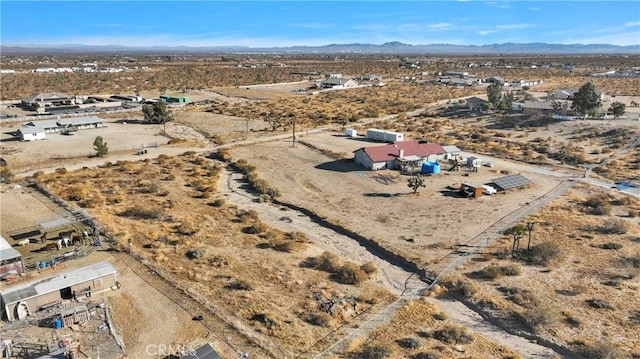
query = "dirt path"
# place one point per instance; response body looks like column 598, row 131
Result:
column 390, row 276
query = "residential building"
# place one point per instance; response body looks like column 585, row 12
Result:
column 338, row 83
column 398, row 155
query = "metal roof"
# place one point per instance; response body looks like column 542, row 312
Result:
column 451, row 149
column 31, row 130
column 57, row 282
column 509, row 182
column 46, row 96
column 43, row 124
column 204, row 352
column 80, row 121
column 7, row 251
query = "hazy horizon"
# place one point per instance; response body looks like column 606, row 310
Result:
column 300, row 23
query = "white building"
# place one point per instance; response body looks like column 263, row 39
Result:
column 31, row 133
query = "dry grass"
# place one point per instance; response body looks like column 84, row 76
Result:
column 413, row 332
column 589, row 287
column 218, row 250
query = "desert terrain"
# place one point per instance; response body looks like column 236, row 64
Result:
column 290, row 249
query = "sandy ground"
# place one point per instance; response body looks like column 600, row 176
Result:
column 375, row 204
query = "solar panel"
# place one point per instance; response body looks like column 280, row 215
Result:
column 509, row 182
column 204, row 352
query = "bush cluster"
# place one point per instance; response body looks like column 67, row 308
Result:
column 348, row 273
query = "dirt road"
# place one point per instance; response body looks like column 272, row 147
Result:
column 392, row 277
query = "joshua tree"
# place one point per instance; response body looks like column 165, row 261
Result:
column 415, row 182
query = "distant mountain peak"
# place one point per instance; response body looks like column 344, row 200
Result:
column 388, row 48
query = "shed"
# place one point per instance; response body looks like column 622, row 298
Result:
column 474, row 162
column 350, row 132
column 31, row 133
column 451, row 152
column 10, row 259
column 27, row 298
column 471, row 190
column 509, row 182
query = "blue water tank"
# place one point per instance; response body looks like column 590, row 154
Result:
column 57, row 323
column 430, row 168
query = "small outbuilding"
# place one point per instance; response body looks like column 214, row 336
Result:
column 350, row 132
column 31, row 133
column 22, row 300
column 384, row 136
column 474, row 162
column 472, row 190
column 10, row 259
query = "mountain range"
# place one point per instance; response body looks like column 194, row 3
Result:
column 389, row 48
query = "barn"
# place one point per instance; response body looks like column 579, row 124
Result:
column 22, row 300
column 10, row 259
column 81, row 123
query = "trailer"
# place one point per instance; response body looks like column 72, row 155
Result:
column 384, row 136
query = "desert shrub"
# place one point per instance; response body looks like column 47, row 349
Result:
column 534, row 319
column 522, row 297
column 288, row 246
column 141, row 213
column 187, row 228
column 61, row 171
column 148, row 187
column 611, row 245
column 440, row 316
column 321, row 319
column 599, row 304
column 76, row 193
column 92, row 202
column 369, row 268
column 327, row 262
column 195, row 253
column 615, row 226
column 247, row 216
column 268, row 319
column 256, row 228
column 599, row 350
column 169, row 177
column 217, row 203
column 221, row 154
column 452, row 334
column 465, row 288
column 376, row 351
column 240, row 284
column 598, row 205
column 543, row 253
column 350, row 273
column 633, row 261
column 494, row 272
column 37, row 174
column 409, row 342
column 427, row 355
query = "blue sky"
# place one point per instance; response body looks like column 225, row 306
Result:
column 288, row 23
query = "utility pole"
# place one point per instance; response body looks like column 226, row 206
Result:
column 294, row 132
column 246, row 128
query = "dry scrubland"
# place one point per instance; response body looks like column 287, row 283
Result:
column 278, row 283
column 419, row 330
column 577, row 286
